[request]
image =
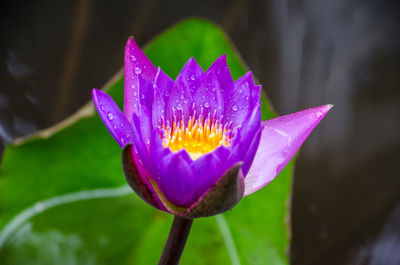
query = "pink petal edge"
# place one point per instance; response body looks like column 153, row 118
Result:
column 136, row 64
column 280, row 139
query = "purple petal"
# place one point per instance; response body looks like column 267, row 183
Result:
column 247, row 80
column 220, row 67
column 171, row 171
column 208, row 97
column 251, row 152
column 136, row 177
column 180, row 102
column 136, row 64
column 280, row 139
column 139, row 141
column 145, row 93
column 238, row 101
column 161, row 90
column 222, row 153
column 244, row 138
column 178, row 181
column 192, row 73
column 146, row 125
column 251, row 125
column 255, row 94
column 220, row 197
column 157, row 153
column 114, row 120
column 207, row 170
column 164, row 83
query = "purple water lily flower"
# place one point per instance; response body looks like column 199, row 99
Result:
column 195, row 146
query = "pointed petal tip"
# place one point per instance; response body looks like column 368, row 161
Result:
column 96, row 93
column 324, row 109
column 130, row 41
column 223, row 57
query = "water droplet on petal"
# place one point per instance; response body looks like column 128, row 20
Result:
column 206, row 105
column 192, row 77
column 235, row 108
column 319, row 114
column 133, row 58
column 122, row 140
column 179, row 107
column 134, row 93
column 147, row 141
column 102, row 107
column 218, row 72
column 110, row 116
column 138, row 71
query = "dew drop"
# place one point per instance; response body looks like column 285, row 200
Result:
column 206, row 105
column 133, row 58
column 138, row 71
column 179, row 107
column 115, row 127
column 192, row 77
column 133, row 86
column 235, row 108
column 318, row 114
column 218, row 72
column 110, row 116
column 122, row 140
column 134, row 93
column 147, row 141
column 102, row 107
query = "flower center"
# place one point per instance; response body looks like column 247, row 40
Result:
column 198, row 137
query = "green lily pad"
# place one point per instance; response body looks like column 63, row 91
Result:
column 64, row 200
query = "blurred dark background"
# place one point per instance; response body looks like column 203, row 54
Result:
column 346, row 200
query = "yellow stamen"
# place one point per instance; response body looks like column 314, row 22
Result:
column 200, row 135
